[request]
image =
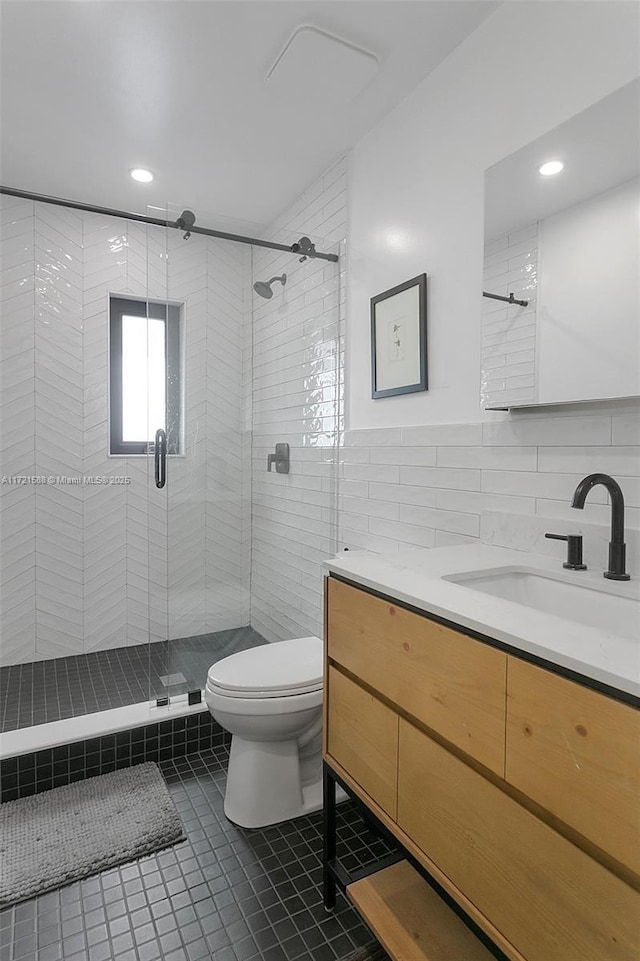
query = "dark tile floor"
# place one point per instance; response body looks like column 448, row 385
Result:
column 70, row 686
column 225, row 893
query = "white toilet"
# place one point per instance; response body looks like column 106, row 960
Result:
column 270, row 699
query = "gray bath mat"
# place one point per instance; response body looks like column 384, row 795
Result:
column 71, row 832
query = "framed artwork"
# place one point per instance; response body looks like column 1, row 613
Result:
column 399, row 339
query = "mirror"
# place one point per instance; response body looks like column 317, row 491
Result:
column 566, row 245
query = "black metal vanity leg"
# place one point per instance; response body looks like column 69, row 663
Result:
column 329, row 837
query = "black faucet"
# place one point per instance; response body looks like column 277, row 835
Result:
column 617, row 548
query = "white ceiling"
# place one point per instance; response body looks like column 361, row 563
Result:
column 91, row 88
column 600, row 148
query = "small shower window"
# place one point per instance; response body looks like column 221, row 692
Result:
column 144, row 375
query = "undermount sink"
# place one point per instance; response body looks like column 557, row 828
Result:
column 599, row 606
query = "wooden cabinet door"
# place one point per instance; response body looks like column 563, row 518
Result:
column 548, row 898
column 577, row 753
column 450, row 682
column 362, row 737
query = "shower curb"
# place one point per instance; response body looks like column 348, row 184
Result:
column 27, row 774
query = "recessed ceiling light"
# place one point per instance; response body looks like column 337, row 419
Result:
column 141, row 175
column 551, row 168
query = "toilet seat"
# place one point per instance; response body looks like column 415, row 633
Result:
column 281, row 669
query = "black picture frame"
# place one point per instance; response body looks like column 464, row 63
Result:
column 416, row 334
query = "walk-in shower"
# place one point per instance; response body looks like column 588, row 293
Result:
column 117, row 589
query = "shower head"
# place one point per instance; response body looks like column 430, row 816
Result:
column 263, row 287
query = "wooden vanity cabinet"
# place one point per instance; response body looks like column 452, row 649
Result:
column 515, row 788
column 362, row 736
column 444, row 679
column 576, row 752
column 547, row 897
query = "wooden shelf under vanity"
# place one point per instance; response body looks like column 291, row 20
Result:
column 411, row 921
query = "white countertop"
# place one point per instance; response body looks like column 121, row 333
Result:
column 416, row 578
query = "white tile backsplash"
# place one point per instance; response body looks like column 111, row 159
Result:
column 526, row 466
column 528, row 534
column 455, row 435
column 462, row 479
column 584, row 460
column 626, row 430
column 405, row 456
column 489, row 458
column 549, row 432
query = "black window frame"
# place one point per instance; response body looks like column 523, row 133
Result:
column 171, row 315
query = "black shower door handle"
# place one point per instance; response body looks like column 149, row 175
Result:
column 160, row 458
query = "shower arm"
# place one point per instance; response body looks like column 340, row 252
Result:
column 158, row 222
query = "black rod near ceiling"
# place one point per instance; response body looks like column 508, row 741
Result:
column 511, row 299
column 304, row 247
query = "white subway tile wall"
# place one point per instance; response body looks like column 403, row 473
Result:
column 509, row 332
column 92, row 567
column 529, row 464
column 297, row 383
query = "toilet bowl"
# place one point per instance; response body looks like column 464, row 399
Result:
column 270, row 700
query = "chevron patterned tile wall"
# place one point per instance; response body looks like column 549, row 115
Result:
column 17, row 430
column 105, row 587
column 58, row 431
column 90, row 567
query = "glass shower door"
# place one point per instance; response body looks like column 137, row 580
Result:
column 242, row 547
column 137, row 401
column 208, row 477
